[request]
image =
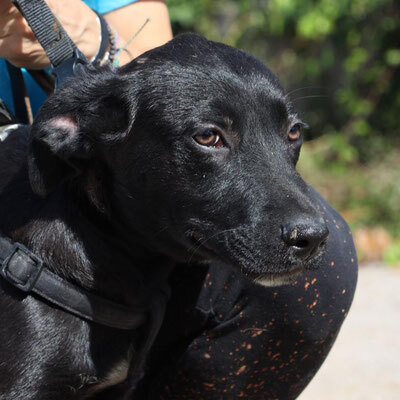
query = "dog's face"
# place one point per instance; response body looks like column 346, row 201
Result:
column 197, row 145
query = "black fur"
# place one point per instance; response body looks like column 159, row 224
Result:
column 111, row 189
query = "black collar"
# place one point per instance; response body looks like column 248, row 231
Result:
column 25, row 271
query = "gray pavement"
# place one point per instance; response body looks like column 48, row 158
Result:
column 364, row 363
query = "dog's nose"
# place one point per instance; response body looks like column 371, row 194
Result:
column 305, row 237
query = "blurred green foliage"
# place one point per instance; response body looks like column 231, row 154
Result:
column 341, row 56
column 392, row 254
column 366, row 194
column 340, row 62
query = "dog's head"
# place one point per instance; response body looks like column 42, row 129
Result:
column 193, row 146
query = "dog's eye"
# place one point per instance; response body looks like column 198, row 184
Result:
column 294, row 132
column 209, row 138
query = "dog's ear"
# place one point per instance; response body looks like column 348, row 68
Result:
column 73, row 127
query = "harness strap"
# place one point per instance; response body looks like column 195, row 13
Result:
column 24, row 270
column 5, row 130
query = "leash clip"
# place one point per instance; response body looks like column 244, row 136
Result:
column 32, row 274
column 70, row 67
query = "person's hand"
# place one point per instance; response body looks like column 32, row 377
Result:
column 19, row 45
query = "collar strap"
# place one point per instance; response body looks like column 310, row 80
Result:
column 25, row 271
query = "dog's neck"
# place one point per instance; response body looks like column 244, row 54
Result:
column 78, row 243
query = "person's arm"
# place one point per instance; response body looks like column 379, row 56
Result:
column 19, row 46
column 131, row 26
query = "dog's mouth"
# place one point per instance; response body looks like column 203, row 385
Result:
column 279, row 278
column 203, row 248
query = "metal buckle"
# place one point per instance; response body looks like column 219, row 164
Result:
column 28, row 285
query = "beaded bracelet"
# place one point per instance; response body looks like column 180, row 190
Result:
column 107, row 42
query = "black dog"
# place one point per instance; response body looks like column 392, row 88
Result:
column 187, row 154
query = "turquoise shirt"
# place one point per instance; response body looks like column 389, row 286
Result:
column 36, row 94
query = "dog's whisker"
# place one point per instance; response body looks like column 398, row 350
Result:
column 160, row 231
column 219, row 233
column 193, row 249
column 304, row 88
column 310, row 97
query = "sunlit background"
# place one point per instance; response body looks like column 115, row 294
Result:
column 339, row 60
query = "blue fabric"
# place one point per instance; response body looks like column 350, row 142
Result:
column 36, row 94
column 5, row 88
column 105, row 6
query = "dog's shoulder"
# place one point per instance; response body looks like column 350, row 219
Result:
column 13, row 154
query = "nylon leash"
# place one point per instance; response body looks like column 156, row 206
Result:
column 65, row 58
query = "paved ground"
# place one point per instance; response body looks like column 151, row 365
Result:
column 364, row 364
